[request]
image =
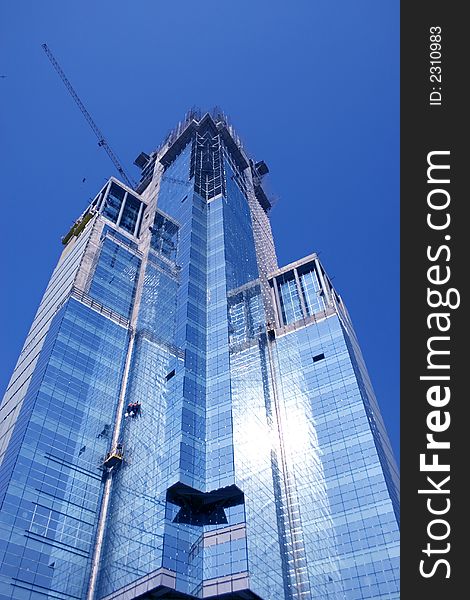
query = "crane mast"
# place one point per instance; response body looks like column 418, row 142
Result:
column 101, row 139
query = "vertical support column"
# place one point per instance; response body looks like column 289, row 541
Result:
column 301, row 294
column 98, row 200
column 275, row 311
column 121, row 210
column 278, row 302
column 246, row 315
column 101, row 528
column 139, row 218
column 104, row 197
column 324, row 287
column 108, row 484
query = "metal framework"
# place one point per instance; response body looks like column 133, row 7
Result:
column 101, row 139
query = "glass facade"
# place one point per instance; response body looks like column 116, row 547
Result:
column 187, row 419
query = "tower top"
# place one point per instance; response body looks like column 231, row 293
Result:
column 205, row 128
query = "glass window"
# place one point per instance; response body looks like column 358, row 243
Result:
column 290, row 301
column 113, row 203
column 164, row 236
column 312, row 292
column 130, row 213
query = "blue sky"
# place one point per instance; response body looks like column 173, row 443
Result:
column 311, row 86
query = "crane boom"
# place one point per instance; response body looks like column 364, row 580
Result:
column 101, row 139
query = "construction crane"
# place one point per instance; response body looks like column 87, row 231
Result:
column 101, row 139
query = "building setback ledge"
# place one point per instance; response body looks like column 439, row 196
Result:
column 232, row 587
column 158, row 584
column 162, row 582
column 178, row 145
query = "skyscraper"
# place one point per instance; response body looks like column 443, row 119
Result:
column 186, row 418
